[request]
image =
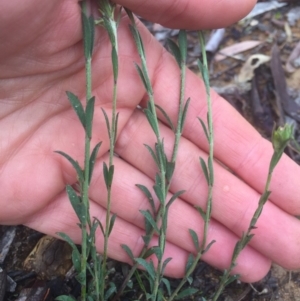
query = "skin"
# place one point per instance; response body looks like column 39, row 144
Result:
column 41, row 57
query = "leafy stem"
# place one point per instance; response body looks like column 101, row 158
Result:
column 108, row 21
column 209, row 175
column 157, row 221
column 280, row 139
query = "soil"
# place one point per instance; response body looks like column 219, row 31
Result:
column 39, row 268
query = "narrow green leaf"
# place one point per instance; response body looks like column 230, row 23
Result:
column 93, row 160
column 112, row 289
column 77, row 204
column 76, row 260
column 149, row 252
column 138, row 41
column 166, row 261
column 128, row 251
column 141, row 75
column 75, row 252
column 152, row 121
column 143, row 52
column 89, row 115
column 184, row 113
column 140, row 282
column 182, row 41
column 99, row 224
column 153, row 155
column 111, row 28
column 148, row 266
column 186, row 293
column 211, row 171
column 75, row 164
column 148, row 194
column 119, row 15
column 166, row 282
column 107, row 122
column 105, row 174
column 170, row 167
column 93, row 229
column 195, row 239
column 204, row 128
column 248, row 238
column 116, row 128
column 168, row 119
column 263, row 199
column 101, row 228
column 189, row 280
column 204, row 169
column 65, row 298
column 190, row 262
column 208, row 246
column 149, row 218
column 148, row 228
column 81, row 278
column 157, row 252
column 88, row 34
column 205, row 76
column 174, row 197
column 115, row 63
column 202, row 213
column 200, row 66
column 77, row 106
column 69, row 240
column 111, row 224
column 175, row 51
column 146, row 238
column 231, row 279
column 130, row 15
column 108, row 175
column 111, row 174
column 238, row 246
column 150, row 296
column 160, row 152
column 159, row 193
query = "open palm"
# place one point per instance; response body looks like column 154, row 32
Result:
column 41, row 57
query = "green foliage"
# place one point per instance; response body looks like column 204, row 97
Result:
column 186, row 293
column 88, row 34
column 155, row 218
column 148, row 194
column 75, row 164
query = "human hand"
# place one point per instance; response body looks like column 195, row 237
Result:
column 41, row 57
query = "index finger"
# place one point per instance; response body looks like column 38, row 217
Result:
column 190, row 14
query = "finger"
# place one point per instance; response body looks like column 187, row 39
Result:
column 127, row 200
column 190, row 14
column 234, row 202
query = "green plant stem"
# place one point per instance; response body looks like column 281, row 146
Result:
column 210, row 142
column 240, row 243
column 162, row 208
column 202, row 250
column 280, row 139
column 85, row 188
column 162, row 171
column 178, row 132
column 110, row 25
column 111, row 158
